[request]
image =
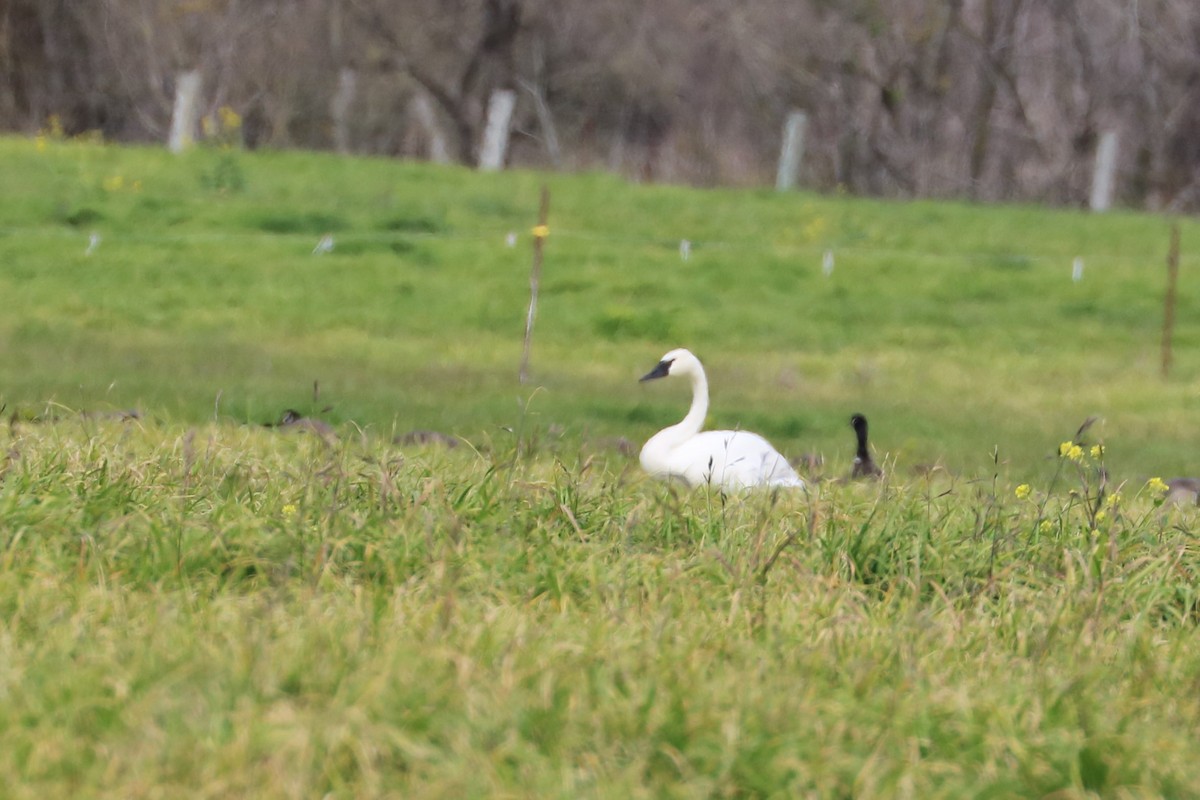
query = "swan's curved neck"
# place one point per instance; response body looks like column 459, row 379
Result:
column 694, row 421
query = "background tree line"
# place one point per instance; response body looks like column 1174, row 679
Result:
column 982, row 99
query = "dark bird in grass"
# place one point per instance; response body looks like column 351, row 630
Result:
column 424, row 438
column 293, row 419
column 864, row 465
column 1183, row 492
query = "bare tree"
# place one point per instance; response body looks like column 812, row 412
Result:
column 992, row 99
column 458, row 52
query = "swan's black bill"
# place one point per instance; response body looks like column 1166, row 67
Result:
column 661, row 371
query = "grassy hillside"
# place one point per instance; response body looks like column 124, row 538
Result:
column 194, row 606
column 956, row 329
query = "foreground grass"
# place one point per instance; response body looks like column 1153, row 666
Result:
column 226, row 611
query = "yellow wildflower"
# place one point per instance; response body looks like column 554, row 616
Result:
column 541, row 231
column 1065, row 448
column 1101, row 515
column 289, row 510
column 230, row 119
column 1022, row 491
column 1075, row 453
column 1097, row 450
column 1045, row 526
column 39, row 142
column 1156, row 486
column 814, row 229
column 1112, row 500
column 113, row 183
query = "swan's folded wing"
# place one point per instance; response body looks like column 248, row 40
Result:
column 735, row 460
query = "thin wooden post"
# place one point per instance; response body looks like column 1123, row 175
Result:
column 186, row 112
column 1169, row 301
column 1104, row 172
column 792, row 152
column 495, row 136
column 535, row 276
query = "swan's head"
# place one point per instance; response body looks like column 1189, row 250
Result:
column 676, row 362
column 859, row 423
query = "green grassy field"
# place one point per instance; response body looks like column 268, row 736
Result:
column 195, row 605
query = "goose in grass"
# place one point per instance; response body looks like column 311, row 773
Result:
column 727, row 459
column 1183, row 492
column 864, row 465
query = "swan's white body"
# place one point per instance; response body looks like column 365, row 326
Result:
column 728, row 459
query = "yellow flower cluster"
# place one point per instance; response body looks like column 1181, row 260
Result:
column 1157, row 486
column 814, row 229
column 53, row 132
column 115, row 183
column 1022, row 491
column 230, row 119
column 223, row 128
column 1070, row 450
column 1075, row 452
column 54, row 127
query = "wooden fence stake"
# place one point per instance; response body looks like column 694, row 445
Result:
column 535, row 276
column 1169, row 302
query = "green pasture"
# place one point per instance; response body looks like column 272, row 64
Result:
column 956, row 329
column 193, row 604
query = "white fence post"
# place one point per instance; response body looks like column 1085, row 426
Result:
column 422, row 111
column 792, row 152
column 339, row 108
column 1105, row 172
column 495, row 136
column 187, row 111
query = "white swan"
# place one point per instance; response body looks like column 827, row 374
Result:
column 729, row 459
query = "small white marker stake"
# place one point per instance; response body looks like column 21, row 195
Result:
column 685, row 249
column 324, row 245
column 827, row 263
column 1077, row 269
column 93, row 243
